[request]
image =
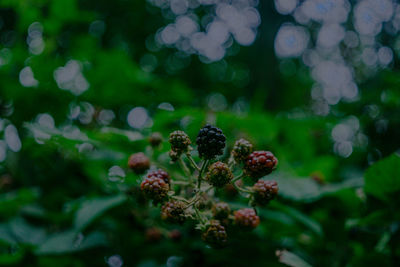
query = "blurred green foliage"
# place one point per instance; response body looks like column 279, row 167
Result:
column 58, row 205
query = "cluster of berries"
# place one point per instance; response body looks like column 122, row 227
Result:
column 158, row 186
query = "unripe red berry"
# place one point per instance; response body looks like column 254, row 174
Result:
column 221, row 210
column 241, row 150
column 260, row 163
column 219, row 174
column 215, row 234
column 153, row 234
column 246, row 218
column 173, row 211
column 155, row 188
column 160, row 174
column 175, row 235
column 264, row 191
column 139, row 163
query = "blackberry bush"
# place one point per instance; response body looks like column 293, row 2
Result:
column 184, row 197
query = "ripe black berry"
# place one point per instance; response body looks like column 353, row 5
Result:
column 179, row 141
column 160, row 174
column 260, row 163
column 219, row 174
column 221, row 210
column 264, row 191
column 173, row 211
column 210, row 142
column 246, row 218
column 155, row 188
column 215, row 234
column 139, row 163
column 241, row 150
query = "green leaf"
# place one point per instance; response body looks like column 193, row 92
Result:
column 305, row 189
column 6, row 235
column 299, row 217
column 71, row 241
column 11, row 258
column 382, row 179
column 93, row 208
column 26, row 233
column 291, row 259
column 12, row 202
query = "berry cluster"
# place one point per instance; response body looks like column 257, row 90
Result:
column 185, row 198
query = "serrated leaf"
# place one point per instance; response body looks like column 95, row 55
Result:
column 93, row 208
column 382, row 179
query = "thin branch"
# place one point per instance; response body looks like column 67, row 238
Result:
column 180, row 199
column 231, row 161
column 240, row 189
column 192, row 162
column 181, row 182
column 184, row 168
column 203, row 167
column 237, row 178
column 199, row 215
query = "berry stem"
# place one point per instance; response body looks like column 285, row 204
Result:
column 185, row 168
column 180, row 199
column 240, row 189
column 198, row 215
column 181, row 182
column 237, row 178
column 192, row 162
column 203, row 167
column 231, row 161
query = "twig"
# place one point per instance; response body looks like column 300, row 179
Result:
column 203, row 167
column 180, row 199
column 192, row 162
column 237, row 177
column 199, row 215
column 185, row 168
